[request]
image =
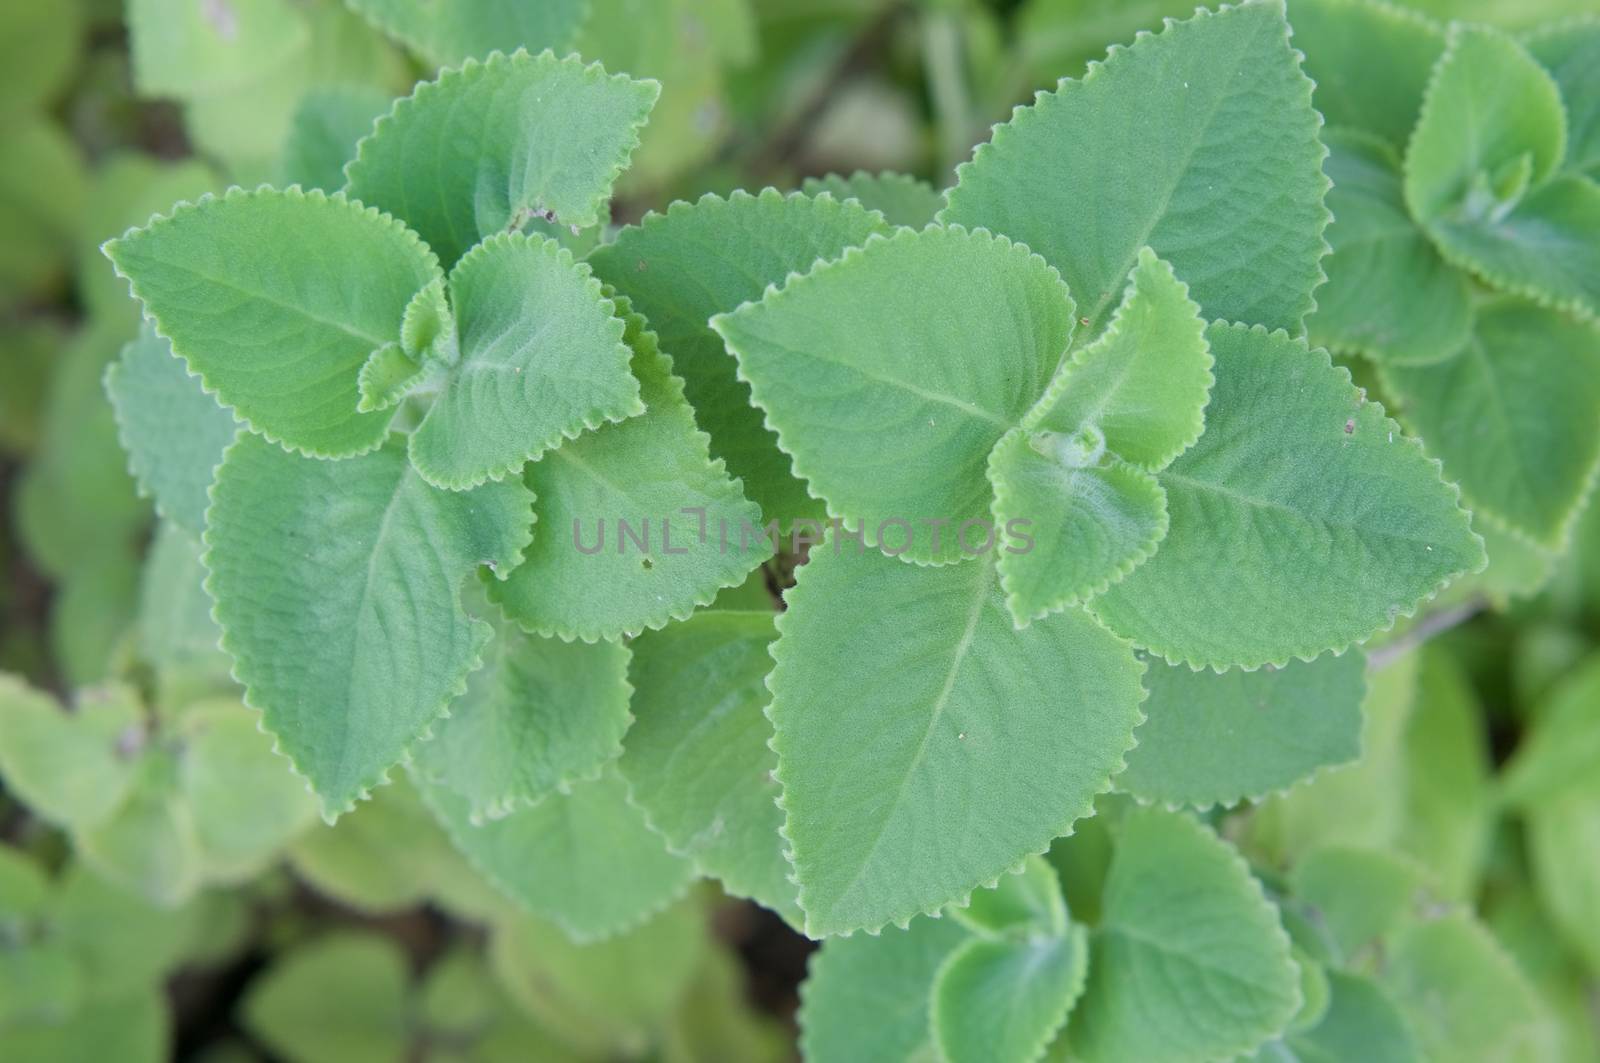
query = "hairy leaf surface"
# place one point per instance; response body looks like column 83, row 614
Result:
column 902, row 200
column 471, row 29
column 1370, row 60
column 1005, row 999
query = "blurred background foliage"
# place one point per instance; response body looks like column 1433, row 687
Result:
column 373, row 940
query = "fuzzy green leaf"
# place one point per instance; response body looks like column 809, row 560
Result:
column 1185, row 927
column 486, row 148
column 445, row 34
column 902, row 200
column 337, row 586
column 1514, row 416
column 541, row 360
column 1389, row 295
column 685, row 515
column 697, row 260
column 1003, row 1000
column 907, row 707
column 177, row 638
column 329, row 123
column 1370, row 60
column 148, row 844
column 185, row 49
column 1570, row 50
column 1026, row 903
column 1362, row 1022
column 1360, row 896
column 539, row 716
column 696, row 758
column 1211, row 739
column 70, row 768
column 584, row 859
column 1199, row 142
column 1302, row 521
column 340, row 998
column 173, row 431
column 275, row 299
column 889, row 375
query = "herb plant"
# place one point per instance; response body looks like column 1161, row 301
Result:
column 1020, row 588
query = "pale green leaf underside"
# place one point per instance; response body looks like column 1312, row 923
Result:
column 869, row 997
column 696, row 758
column 924, row 745
column 173, row 431
column 541, row 360
column 889, row 375
column 1302, row 521
column 1370, row 60
column 539, row 716
column 1001, row 1001
column 582, row 578
column 1200, row 142
column 1185, row 928
column 471, row 29
column 584, row 859
column 902, row 200
column 275, row 299
column 338, row 588
column 1211, row 739
column 697, row 260
column 1389, row 295
column 1514, row 416
column 1087, row 527
column 486, row 147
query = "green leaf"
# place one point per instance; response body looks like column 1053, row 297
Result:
column 173, row 431
column 868, row 997
column 1189, row 960
column 1464, row 997
column 1088, row 525
column 541, row 360
column 1026, row 903
column 185, row 49
column 329, row 122
column 539, row 716
column 1362, row 1022
column 1211, row 739
column 889, row 375
column 177, row 637
column 1563, row 837
column 1514, row 417
column 148, row 844
column 1004, row 1000
column 585, row 859
column 132, row 1026
column 1389, row 295
column 691, row 530
column 339, row 999
column 1370, row 60
column 42, row 201
column 75, row 768
column 42, row 47
column 445, row 34
column 1570, row 50
column 337, row 587
column 1562, row 749
column 1358, row 895
column 1302, row 521
column 902, row 200
column 697, row 260
column 1186, row 141
column 308, row 283
column 907, row 707
column 696, row 758
column 488, row 147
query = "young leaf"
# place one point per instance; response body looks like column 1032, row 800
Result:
column 148, row 844
column 697, row 260
column 539, row 716
column 868, row 996
column 1370, row 60
column 1570, row 50
column 1302, row 521
column 1200, row 142
column 1389, row 295
column 70, row 768
column 541, row 360
column 343, row 996
column 328, row 124
column 690, row 530
column 1023, row 904
column 889, row 375
column 1087, row 526
column 275, row 299
column 902, row 200
column 1514, row 416
column 584, row 859
column 907, row 708
column 1211, row 739
column 445, row 34
column 1189, row 960
column 1362, row 1022
column 173, row 431
column 1003, row 1000
column 337, row 587
column 696, row 758
column 488, row 147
